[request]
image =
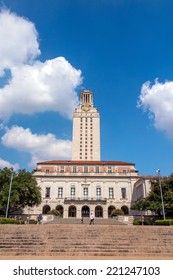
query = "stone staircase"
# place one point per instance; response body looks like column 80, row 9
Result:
column 86, row 221
column 83, row 241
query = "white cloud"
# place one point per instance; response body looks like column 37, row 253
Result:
column 34, row 86
column 48, row 86
column 19, row 40
column 4, row 163
column 157, row 99
column 40, row 147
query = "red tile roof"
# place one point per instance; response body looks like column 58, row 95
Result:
column 84, row 162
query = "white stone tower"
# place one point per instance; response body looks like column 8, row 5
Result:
column 86, row 129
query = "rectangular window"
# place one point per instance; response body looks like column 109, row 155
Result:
column 98, row 192
column 85, row 169
column 85, row 192
column 74, row 169
column 60, row 192
column 111, row 193
column 47, row 192
column 72, row 192
column 97, row 169
column 123, row 193
column 47, row 170
column 109, row 169
column 62, row 169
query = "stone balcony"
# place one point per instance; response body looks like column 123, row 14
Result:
column 78, row 200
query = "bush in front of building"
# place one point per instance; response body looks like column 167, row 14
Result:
column 167, row 222
column 146, row 223
column 10, row 221
column 54, row 212
column 116, row 212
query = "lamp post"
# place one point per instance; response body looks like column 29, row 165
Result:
column 9, row 193
column 161, row 194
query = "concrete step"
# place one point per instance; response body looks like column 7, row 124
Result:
column 74, row 240
column 97, row 221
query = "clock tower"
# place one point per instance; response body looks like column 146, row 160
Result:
column 86, row 129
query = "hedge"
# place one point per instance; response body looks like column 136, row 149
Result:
column 167, row 222
column 10, row 221
column 146, row 223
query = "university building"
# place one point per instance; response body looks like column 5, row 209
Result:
column 87, row 184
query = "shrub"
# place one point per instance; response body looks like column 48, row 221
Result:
column 32, row 222
column 10, row 221
column 146, row 223
column 116, row 212
column 164, row 222
column 136, row 223
column 54, row 212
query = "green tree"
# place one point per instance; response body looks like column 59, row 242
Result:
column 153, row 200
column 24, row 191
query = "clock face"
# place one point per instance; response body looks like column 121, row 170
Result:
column 86, row 107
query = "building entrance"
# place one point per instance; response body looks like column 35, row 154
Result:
column 60, row 209
column 85, row 211
column 99, row 212
column 46, row 208
column 72, row 211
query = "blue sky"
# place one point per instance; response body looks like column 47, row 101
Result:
column 121, row 50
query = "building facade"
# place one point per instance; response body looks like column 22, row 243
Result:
column 86, row 184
